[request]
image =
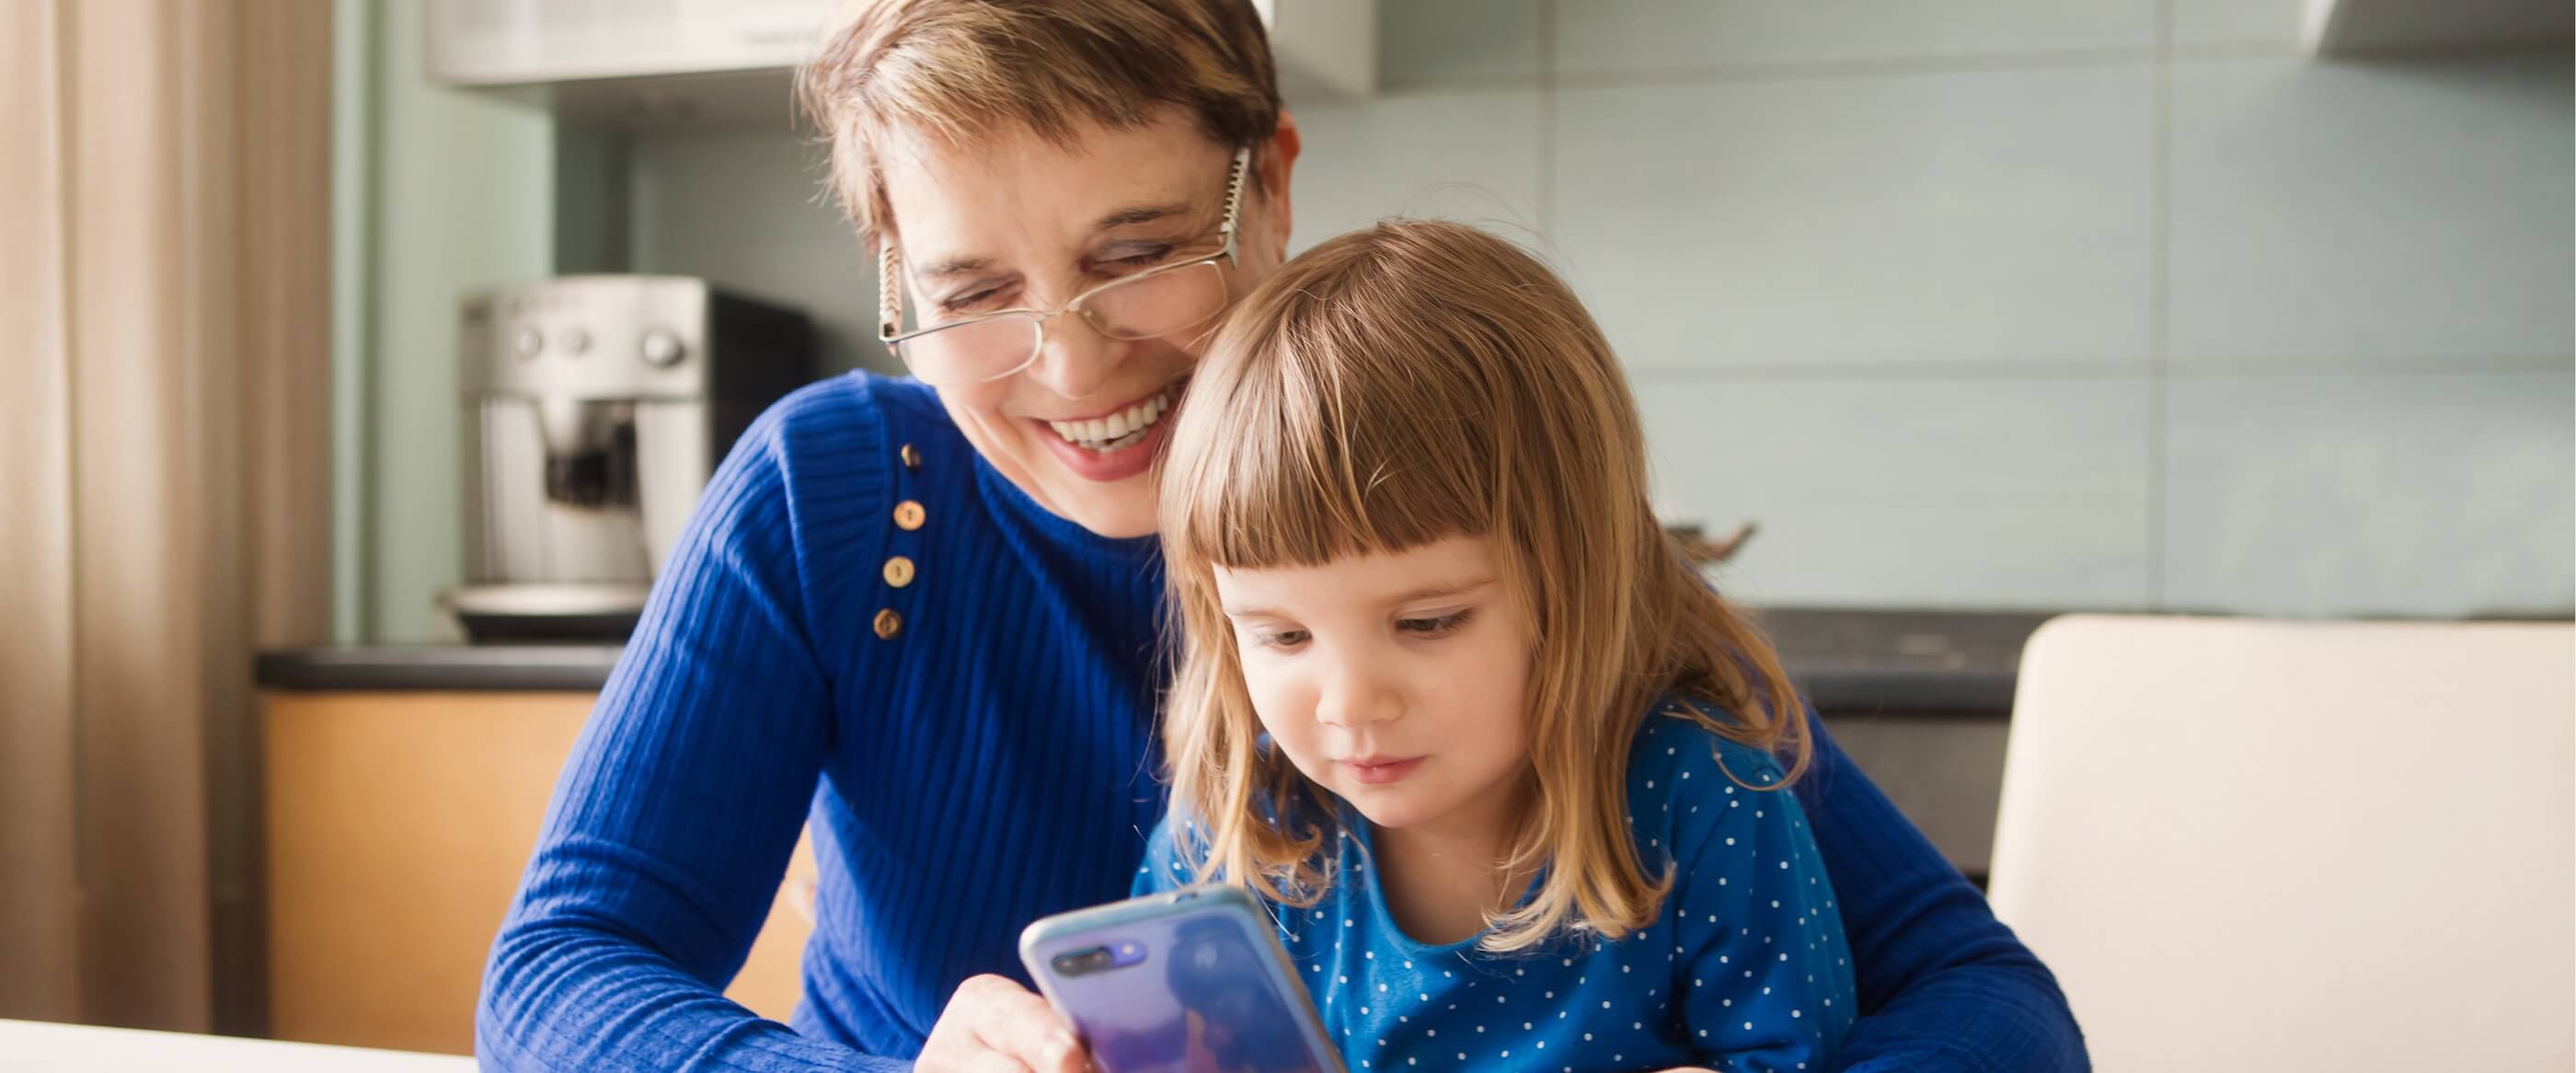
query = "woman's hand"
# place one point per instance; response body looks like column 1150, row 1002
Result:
column 993, row 1025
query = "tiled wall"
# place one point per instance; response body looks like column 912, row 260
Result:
column 749, row 211
column 1992, row 303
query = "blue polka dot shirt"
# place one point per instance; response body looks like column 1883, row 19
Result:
column 1744, row 969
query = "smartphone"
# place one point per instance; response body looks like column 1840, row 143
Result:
column 1186, row 981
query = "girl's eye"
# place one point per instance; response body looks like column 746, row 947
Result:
column 1433, row 627
column 1282, row 639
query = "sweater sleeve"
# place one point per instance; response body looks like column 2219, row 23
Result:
column 671, row 825
column 1944, row 986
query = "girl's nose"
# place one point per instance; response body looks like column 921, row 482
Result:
column 1355, row 696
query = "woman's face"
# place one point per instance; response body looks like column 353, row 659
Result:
column 1012, row 220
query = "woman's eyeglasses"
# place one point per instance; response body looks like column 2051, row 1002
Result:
column 1151, row 304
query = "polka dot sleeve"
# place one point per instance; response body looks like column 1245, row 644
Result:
column 1164, row 868
column 1765, row 975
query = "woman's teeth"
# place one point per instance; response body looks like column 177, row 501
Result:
column 1117, row 431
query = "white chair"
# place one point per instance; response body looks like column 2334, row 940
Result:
column 2288, row 845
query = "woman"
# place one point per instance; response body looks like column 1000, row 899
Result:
column 924, row 620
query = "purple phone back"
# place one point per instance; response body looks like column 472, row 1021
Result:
column 1202, row 988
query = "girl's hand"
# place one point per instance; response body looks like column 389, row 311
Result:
column 993, row 1025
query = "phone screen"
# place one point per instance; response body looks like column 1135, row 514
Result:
column 1196, row 986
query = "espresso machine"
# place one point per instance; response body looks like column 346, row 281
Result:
column 595, row 409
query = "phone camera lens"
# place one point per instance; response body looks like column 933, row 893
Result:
column 1082, row 962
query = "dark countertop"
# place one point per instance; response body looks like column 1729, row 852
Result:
column 438, row 668
column 1921, row 663
column 1857, row 662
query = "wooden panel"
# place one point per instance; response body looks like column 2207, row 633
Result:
column 769, row 982
column 398, row 826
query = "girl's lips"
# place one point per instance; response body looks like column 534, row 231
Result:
column 1382, row 771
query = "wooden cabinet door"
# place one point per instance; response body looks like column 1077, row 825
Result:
column 398, row 825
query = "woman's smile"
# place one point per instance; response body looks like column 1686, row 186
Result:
column 1115, row 445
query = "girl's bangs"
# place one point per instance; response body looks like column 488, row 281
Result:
column 1307, row 467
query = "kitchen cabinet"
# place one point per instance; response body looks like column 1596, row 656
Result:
column 397, row 826
column 682, row 65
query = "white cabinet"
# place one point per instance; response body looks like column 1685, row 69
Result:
column 1324, row 48
column 526, row 42
column 652, row 64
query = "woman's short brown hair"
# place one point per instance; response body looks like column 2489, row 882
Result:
column 960, row 68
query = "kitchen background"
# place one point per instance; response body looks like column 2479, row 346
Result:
column 2045, row 304
column 1981, row 309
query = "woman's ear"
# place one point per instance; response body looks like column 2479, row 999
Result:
column 1276, row 163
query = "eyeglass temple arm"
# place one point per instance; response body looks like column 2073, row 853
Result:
column 1234, row 193
column 889, row 292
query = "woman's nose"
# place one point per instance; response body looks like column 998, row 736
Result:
column 1074, row 360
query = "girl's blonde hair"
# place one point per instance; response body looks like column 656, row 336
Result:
column 1393, row 387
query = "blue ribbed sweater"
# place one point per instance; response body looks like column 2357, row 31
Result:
column 990, row 762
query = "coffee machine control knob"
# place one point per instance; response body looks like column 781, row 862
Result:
column 662, row 347
column 531, row 341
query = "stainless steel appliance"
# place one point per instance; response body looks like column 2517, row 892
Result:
column 595, row 409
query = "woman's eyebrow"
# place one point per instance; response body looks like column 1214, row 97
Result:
column 1140, row 214
column 955, row 266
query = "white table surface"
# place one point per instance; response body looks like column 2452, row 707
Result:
column 42, row 1047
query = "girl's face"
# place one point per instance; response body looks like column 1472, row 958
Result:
column 1399, row 682
column 1012, row 220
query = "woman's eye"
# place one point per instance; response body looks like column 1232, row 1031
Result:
column 971, row 300
column 1433, row 627
column 1142, row 259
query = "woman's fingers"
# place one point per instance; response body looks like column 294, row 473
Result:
column 1018, row 1023
column 992, row 1025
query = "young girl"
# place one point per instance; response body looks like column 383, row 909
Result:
column 1453, row 705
